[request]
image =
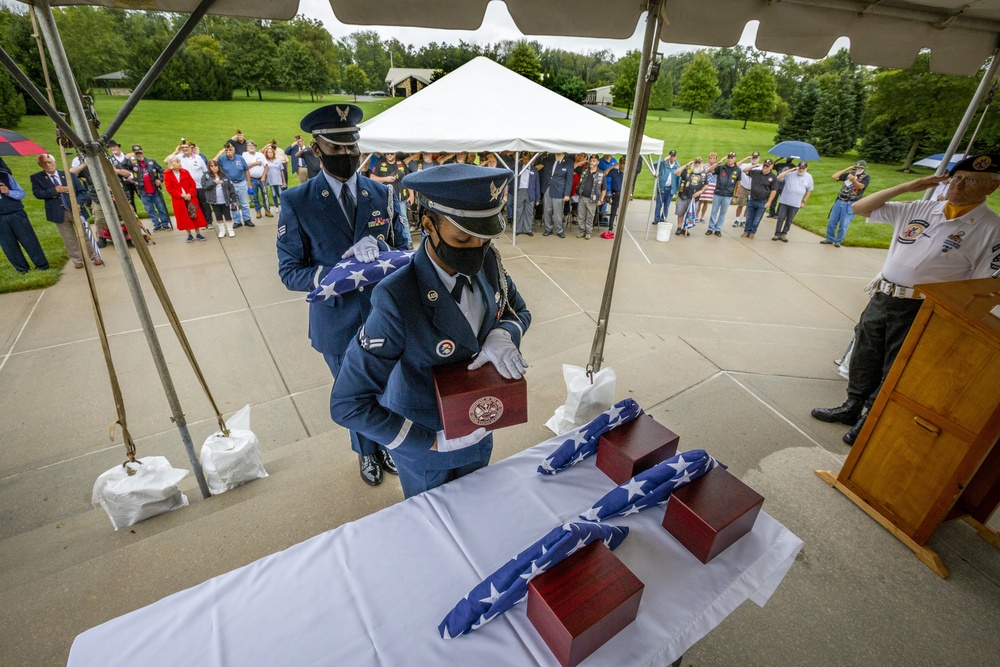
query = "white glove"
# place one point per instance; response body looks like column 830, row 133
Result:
column 500, row 349
column 446, row 445
column 366, row 250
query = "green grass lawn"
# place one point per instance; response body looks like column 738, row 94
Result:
column 158, row 126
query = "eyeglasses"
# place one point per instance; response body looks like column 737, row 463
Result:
column 970, row 180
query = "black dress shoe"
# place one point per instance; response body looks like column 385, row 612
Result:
column 852, row 435
column 249, row 224
column 546, row 233
column 385, row 461
column 371, row 471
column 848, row 413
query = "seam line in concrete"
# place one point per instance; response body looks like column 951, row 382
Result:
column 21, row 332
column 776, row 412
column 558, row 286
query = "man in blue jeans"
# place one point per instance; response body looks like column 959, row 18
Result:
column 236, row 169
column 668, row 184
column 763, row 188
column 148, row 177
column 855, row 181
column 727, row 177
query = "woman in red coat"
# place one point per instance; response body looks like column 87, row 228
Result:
column 183, row 195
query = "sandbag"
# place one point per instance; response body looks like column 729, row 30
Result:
column 230, row 461
column 584, row 400
column 151, row 489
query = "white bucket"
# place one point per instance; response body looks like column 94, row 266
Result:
column 664, row 231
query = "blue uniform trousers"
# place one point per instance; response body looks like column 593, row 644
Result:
column 15, row 232
column 359, row 443
column 415, row 478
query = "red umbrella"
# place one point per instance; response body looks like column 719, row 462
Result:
column 12, row 143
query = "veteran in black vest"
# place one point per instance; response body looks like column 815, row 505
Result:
column 335, row 215
column 453, row 302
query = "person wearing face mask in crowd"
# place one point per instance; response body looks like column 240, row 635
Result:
column 452, row 303
column 335, row 217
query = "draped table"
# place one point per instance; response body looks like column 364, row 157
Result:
column 373, row 591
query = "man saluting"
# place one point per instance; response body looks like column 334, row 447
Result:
column 453, row 302
column 336, row 215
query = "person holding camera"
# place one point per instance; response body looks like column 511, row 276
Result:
column 855, row 181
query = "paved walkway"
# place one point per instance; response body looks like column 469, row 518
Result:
column 728, row 341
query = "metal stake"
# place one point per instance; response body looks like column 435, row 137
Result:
column 94, row 151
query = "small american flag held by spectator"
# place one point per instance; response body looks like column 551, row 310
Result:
column 350, row 274
column 509, row 585
column 652, row 487
column 582, row 442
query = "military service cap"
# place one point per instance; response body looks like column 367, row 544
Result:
column 337, row 123
column 471, row 197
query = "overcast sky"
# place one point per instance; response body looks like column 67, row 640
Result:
column 498, row 26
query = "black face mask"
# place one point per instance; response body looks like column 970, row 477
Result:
column 342, row 166
column 467, row 261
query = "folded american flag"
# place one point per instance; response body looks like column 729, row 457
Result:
column 652, row 487
column 582, row 442
column 509, row 585
column 350, row 274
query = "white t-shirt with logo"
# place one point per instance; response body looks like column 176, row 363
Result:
column 255, row 164
column 796, row 187
column 927, row 248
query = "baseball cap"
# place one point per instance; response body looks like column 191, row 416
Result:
column 731, row 154
column 755, row 154
column 984, row 162
column 803, row 164
column 697, row 159
column 768, row 161
column 674, row 153
column 861, row 164
column 137, row 148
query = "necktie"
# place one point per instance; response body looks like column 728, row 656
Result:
column 460, row 283
column 62, row 195
column 347, row 201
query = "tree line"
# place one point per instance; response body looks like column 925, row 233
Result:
column 885, row 115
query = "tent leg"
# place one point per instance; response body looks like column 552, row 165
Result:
column 94, row 152
column 654, row 170
column 150, row 78
column 654, row 20
column 517, row 175
column 977, row 99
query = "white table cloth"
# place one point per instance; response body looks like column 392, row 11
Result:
column 372, row 592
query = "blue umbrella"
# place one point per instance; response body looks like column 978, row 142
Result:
column 933, row 161
column 799, row 149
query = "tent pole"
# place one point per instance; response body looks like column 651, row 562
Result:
column 94, row 152
column 977, row 99
column 38, row 96
column 150, row 78
column 655, row 171
column 517, row 176
column 641, row 106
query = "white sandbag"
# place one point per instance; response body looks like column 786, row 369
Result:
column 131, row 498
column 584, row 400
column 230, row 461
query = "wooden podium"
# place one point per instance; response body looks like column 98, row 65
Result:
column 927, row 453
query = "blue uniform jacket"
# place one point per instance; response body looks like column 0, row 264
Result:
column 385, row 389
column 313, row 236
column 43, row 188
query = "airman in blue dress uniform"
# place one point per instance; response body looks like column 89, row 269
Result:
column 452, row 302
column 335, row 215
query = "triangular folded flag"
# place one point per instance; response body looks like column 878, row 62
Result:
column 582, row 442
column 652, row 487
column 350, row 274
column 509, row 585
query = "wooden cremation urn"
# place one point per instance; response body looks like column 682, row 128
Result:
column 468, row 400
column 583, row 602
column 625, row 451
column 711, row 513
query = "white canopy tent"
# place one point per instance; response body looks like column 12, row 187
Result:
column 450, row 116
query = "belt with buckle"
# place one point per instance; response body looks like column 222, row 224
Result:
column 898, row 291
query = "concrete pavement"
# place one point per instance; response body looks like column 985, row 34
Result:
column 727, row 341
